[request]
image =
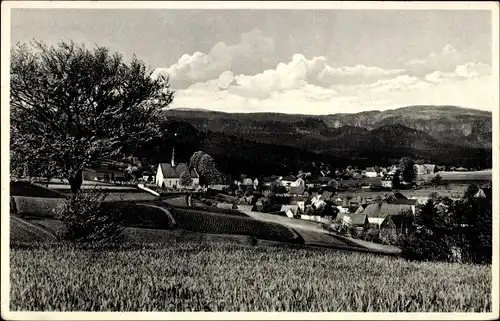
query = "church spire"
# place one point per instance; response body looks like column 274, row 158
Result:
column 172, row 162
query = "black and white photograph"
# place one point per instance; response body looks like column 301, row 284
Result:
column 241, row 157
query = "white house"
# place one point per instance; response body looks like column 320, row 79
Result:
column 370, row 172
column 168, row 175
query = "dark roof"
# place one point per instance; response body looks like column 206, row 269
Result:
column 175, row 172
column 360, row 210
column 373, row 210
column 405, row 202
column 326, row 195
column 385, row 209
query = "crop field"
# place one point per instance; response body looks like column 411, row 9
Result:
column 202, row 276
column 467, row 176
column 206, row 222
column 453, row 190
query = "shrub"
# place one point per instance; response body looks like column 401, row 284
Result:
column 87, row 221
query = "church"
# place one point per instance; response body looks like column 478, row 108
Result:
column 168, row 174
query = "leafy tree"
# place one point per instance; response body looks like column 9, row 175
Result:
column 407, row 167
column 475, row 235
column 430, row 239
column 71, row 105
column 437, row 180
column 396, row 183
column 185, row 179
column 208, row 170
column 194, row 161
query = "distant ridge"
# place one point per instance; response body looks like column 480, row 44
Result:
column 426, row 108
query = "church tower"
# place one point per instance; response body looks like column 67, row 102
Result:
column 172, row 162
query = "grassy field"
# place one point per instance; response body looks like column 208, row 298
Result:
column 453, row 190
column 202, row 276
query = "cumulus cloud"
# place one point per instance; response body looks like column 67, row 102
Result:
column 444, row 61
column 300, row 72
column 253, row 52
column 470, row 70
column 313, row 86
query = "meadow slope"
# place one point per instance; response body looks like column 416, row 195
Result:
column 206, row 276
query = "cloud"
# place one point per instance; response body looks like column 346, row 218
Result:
column 313, row 86
column 470, row 70
column 445, row 61
column 301, row 72
column 253, row 52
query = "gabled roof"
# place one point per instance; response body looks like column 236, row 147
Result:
column 293, row 208
column 326, row 195
column 175, row 172
column 360, row 210
column 373, row 210
column 358, row 219
column 480, row 194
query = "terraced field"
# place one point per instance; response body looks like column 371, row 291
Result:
column 206, row 222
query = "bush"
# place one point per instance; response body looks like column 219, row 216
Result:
column 87, row 221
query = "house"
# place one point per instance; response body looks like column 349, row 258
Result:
column 168, row 174
column 344, row 208
column 327, row 195
column 147, row 176
column 290, row 210
column 480, row 194
column 388, row 229
column 218, row 187
column 376, row 221
column 360, row 210
column 425, row 169
column 370, row 172
column 360, row 221
column 296, row 190
column 385, row 209
column 101, row 174
column 394, row 212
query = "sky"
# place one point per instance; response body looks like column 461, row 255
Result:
column 291, row 61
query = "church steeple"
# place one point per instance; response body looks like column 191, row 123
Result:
column 172, row 162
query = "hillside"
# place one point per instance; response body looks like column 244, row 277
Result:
column 273, row 149
column 455, row 125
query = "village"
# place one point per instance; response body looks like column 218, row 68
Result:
column 357, row 202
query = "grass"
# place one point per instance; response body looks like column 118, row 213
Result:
column 23, row 188
column 201, row 276
column 36, row 206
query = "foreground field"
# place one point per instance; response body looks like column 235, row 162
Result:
column 194, row 276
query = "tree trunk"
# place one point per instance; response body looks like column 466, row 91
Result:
column 76, row 181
